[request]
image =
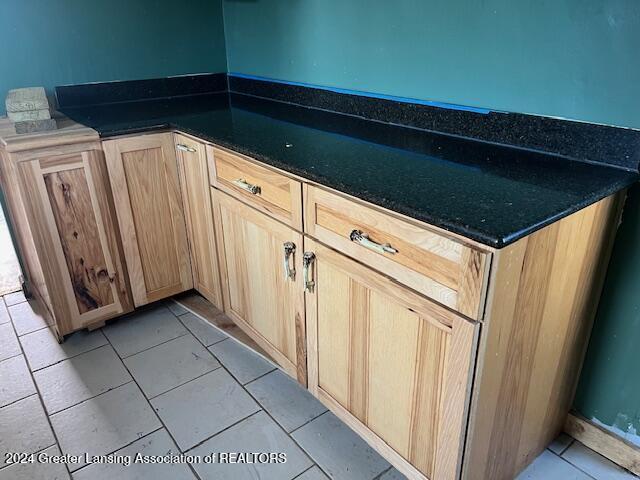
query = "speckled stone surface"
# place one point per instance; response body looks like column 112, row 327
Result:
column 492, row 194
column 578, row 140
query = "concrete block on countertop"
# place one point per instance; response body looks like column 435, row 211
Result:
column 24, row 99
column 33, row 126
column 29, row 115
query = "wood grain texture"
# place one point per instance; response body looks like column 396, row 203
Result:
column 383, row 356
column 194, row 179
column 446, row 270
column 143, row 172
column 257, row 296
column 542, row 300
column 72, row 218
column 280, row 196
column 84, row 252
column 606, row 443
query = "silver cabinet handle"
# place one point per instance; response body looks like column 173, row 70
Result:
column 363, row 239
column 185, row 148
column 307, row 260
column 243, row 184
column 289, row 271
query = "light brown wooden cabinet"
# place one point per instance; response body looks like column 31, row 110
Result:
column 69, row 198
column 394, row 365
column 194, row 181
column 261, row 260
column 144, row 178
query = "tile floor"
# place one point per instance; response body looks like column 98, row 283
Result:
column 163, row 381
column 9, row 266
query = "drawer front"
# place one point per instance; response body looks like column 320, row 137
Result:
column 446, row 270
column 271, row 192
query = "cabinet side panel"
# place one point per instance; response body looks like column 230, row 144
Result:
column 544, row 291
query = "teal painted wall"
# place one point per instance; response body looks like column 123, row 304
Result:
column 56, row 42
column 567, row 58
column 609, row 390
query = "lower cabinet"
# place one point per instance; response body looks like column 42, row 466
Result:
column 68, row 198
column 261, row 260
column 143, row 171
column 394, row 366
column 194, row 180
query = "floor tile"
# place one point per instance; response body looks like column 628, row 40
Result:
column 243, row 364
column 157, row 443
column 203, row 331
column 560, row 444
column 392, row 474
column 15, row 380
column 595, row 464
column 38, row 470
column 176, row 308
column 549, row 466
column 80, row 378
column 105, row 423
column 288, row 403
column 24, row 428
column 338, row 450
column 314, row 473
column 171, row 364
column 142, row 330
column 42, row 348
column 28, row 317
column 4, row 313
column 14, row 298
column 203, row 407
column 257, row 433
column 9, row 346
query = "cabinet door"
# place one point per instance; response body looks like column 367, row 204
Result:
column 69, row 197
column 395, row 366
column 259, row 296
column 194, row 179
column 144, row 177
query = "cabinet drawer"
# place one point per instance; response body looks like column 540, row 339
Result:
column 450, row 272
column 271, row 192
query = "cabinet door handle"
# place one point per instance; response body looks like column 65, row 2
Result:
column 244, row 185
column 185, row 148
column 363, row 239
column 289, row 271
column 307, row 261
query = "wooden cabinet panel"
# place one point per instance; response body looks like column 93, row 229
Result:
column 258, row 295
column 194, row 179
column 393, row 365
column 273, row 193
column 449, row 271
column 144, row 177
column 69, row 197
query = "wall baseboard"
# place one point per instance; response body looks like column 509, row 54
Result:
column 604, row 442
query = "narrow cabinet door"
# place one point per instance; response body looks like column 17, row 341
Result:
column 392, row 364
column 71, row 200
column 144, row 177
column 194, row 179
column 262, row 262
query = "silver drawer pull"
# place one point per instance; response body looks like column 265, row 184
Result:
column 363, row 239
column 243, row 184
column 307, row 260
column 289, row 271
column 185, row 148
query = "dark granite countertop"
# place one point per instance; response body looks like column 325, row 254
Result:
column 490, row 193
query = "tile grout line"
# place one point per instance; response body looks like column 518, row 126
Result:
column 18, row 400
column 151, row 406
column 265, row 411
column 34, row 453
column 87, row 465
column 34, row 370
column 146, row 349
column 87, row 399
column 44, row 410
column 183, row 383
column 309, row 421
